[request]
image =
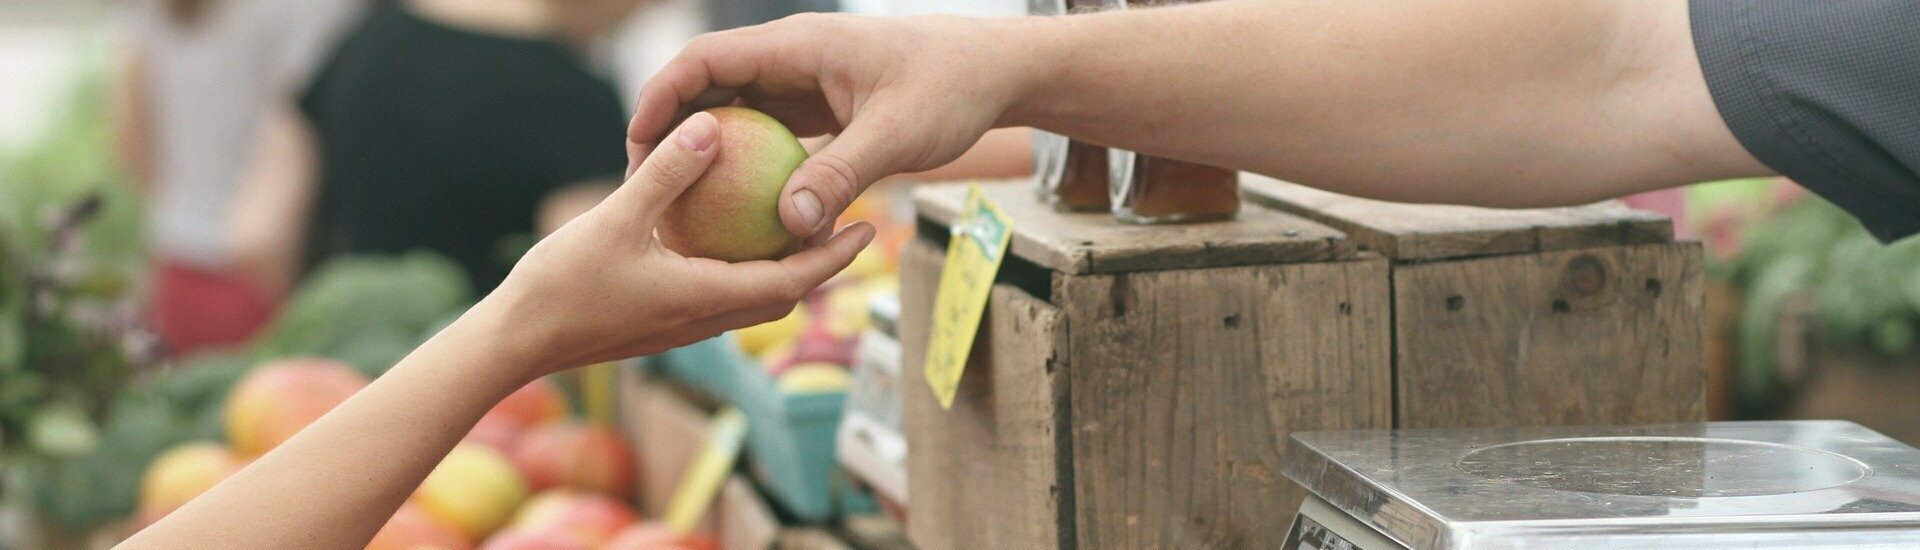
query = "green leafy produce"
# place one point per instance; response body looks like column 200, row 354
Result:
column 367, row 311
column 1757, row 334
column 1893, row 337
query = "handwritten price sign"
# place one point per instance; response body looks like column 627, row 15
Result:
column 974, row 254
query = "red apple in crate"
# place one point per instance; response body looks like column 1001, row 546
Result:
column 577, row 456
column 657, row 536
column 181, row 473
column 534, row 404
column 499, row 433
column 532, row 540
column 412, row 529
column 817, row 344
column 282, row 396
column 590, row 518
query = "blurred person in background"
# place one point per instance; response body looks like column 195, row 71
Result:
column 196, row 76
column 462, row 127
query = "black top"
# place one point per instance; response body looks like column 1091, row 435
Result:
column 1825, row 92
column 446, row 139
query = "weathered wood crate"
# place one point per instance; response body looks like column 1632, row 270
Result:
column 1580, row 315
column 1132, row 386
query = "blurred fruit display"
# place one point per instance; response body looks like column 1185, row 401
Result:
column 1798, row 259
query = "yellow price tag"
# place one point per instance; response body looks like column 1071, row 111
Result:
column 974, row 254
column 708, row 470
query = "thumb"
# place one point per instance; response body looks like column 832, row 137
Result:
column 829, row 180
column 673, row 165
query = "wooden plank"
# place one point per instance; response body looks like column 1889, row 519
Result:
column 983, row 474
column 1419, row 232
column 810, row 538
column 874, row 532
column 666, row 431
column 746, row 521
column 1596, row 336
column 1097, row 243
column 1186, row 383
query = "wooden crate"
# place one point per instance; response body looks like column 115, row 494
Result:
column 1581, row 315
column 1132, row 386
column 669, row 426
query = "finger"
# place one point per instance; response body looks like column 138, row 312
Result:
column 788, row 280
column 744, row 318
column 705, row 74
column 667, row 171
column 828, row 181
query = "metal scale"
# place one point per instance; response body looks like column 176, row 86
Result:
column 1720, row 485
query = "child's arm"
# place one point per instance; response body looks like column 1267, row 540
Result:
column 601, row 288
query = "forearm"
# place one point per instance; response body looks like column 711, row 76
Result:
column 272, row 209
column 337, row 482
column 1002, row 153
column 1505, row 103
column 132, row 129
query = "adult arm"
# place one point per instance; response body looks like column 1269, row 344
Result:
column 1000, row 153
column 1500, row 103
column 598, row 289
column 272, row 208
column 133, row 121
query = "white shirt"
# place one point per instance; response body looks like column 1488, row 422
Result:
column 207, row 86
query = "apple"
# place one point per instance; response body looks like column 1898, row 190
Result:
column 180, row 474
column 532, row 540
column 578, row 456
column 814, row 378
column 818, row 344
column 500, row 433
column 411, row 528
column 732, row 212
column 757, row 339
column 536, row 403
column 589, row 518
column 474, row 490
column 657, row 536
column 283, row 396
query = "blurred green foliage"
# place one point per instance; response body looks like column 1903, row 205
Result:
column 80, row 418
column 1866, row 295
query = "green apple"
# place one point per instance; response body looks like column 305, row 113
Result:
column 732, row 213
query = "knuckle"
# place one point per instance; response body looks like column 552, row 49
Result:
column 841, row 176
column 670, row 171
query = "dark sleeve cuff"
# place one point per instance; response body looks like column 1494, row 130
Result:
column 1823, row 93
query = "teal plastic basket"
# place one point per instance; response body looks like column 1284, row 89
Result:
column 790, row 437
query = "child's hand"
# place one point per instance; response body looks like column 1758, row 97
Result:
column 603, row 288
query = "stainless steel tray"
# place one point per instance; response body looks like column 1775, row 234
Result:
column 1790, row 484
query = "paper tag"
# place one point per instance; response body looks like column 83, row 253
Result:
column 708, row 470
column 974, row 254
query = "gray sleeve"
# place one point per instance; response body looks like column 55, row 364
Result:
column 1824, row 92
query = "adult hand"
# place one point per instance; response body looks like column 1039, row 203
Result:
column 901, row 94
column 602, row 287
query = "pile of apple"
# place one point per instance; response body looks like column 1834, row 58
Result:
column 528, row 477
column 812, row 348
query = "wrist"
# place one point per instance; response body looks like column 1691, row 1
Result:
column 1043, row 48
column 493, row 351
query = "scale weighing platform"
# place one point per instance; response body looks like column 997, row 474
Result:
column 1719, row 485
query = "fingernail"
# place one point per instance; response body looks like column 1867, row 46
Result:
column 699, row 132
column 808, row 205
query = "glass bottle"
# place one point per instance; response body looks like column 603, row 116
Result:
column 1146, row 189
column 1072, row 174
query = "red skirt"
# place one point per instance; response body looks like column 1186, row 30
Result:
column 195, row 309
